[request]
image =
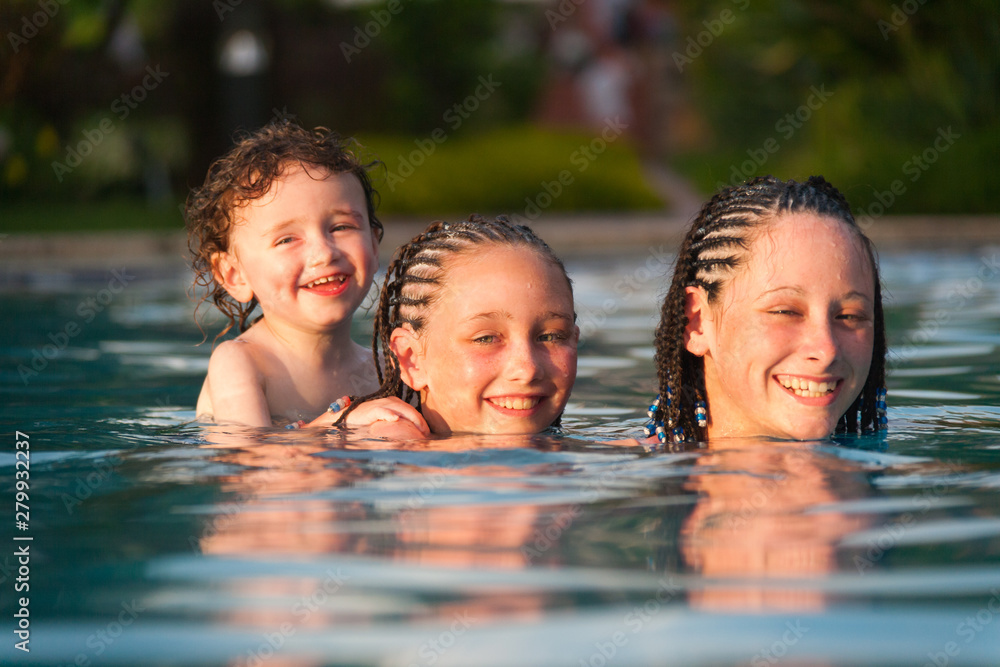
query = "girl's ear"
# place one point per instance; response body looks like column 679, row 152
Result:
column 228, row 272
column 698, row 332
column 409, row 350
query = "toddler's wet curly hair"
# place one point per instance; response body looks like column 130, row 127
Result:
column 245, row 174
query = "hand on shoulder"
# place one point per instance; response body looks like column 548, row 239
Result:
column 382, row 417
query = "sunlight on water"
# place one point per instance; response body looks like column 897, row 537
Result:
column 160, row 541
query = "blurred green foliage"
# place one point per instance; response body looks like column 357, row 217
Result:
column 106, row 214
column 511, row 170
column 896, row 75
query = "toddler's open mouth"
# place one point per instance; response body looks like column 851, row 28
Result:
column 337, row 279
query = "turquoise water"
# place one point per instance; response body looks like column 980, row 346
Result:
column 155, row 541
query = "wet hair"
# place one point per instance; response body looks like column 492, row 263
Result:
column 246, row 173
column 416, row 274
column 713, row 249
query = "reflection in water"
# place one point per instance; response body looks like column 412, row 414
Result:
column 291, row 503
column 753, row 519
column 752, row 523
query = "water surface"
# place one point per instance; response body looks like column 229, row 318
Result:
column 156, row 540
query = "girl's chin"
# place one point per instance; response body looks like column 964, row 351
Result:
column 815, row 431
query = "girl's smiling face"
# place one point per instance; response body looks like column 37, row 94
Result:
column 497, row 353
column 788, row 343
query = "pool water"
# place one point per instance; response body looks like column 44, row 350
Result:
column 159, row 541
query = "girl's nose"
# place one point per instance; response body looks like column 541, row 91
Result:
column 820, row 341
column 523, row 363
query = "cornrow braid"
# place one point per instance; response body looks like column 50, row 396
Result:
column 713, row 248
column 414, row 277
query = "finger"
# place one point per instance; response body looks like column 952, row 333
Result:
column 369, row 415
column 412, row 415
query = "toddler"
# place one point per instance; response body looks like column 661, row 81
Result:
column 285, row 222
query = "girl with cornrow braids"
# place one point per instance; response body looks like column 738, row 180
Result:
column 773, row 324
column 476, row 327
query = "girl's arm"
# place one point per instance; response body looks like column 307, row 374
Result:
column 382, row 417
column 236, row 387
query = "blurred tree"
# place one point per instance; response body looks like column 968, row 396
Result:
column 894, row 75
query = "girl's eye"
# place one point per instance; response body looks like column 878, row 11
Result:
column 854, row 317
column 783, row 311
column 553, row 337
column 485, row 340
column 283, row 240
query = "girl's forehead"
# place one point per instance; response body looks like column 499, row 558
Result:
column 512, row 262
column 499, row 274
column 806, row 248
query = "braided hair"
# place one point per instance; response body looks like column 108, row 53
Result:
column 414, row 276
column 715, row 245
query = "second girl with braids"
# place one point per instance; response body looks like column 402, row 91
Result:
column 476, row 326
column 773, row 324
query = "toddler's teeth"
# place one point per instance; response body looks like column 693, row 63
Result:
column 321, row 281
